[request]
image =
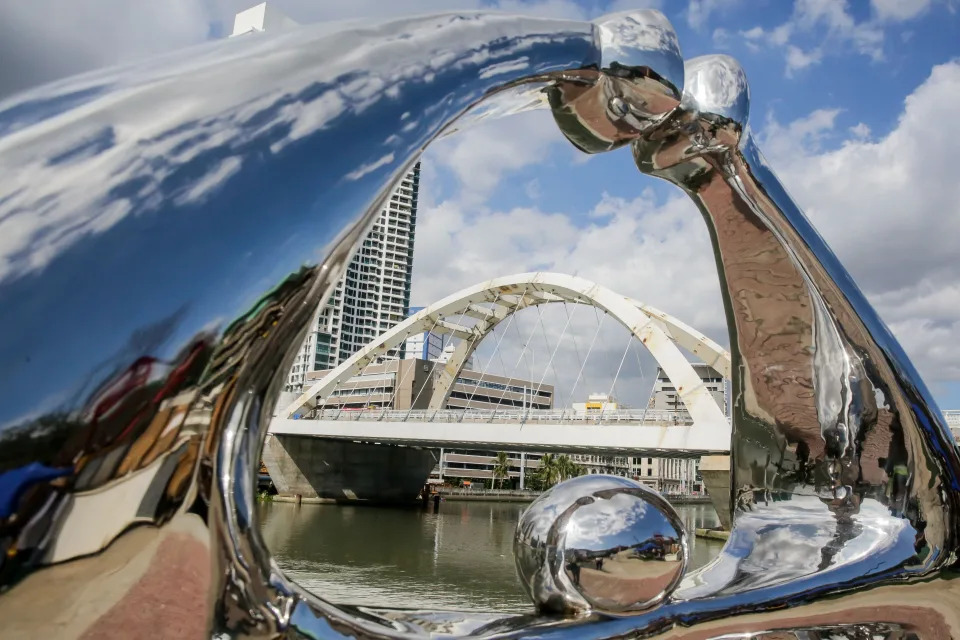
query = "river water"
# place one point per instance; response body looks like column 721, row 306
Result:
column 460, row 558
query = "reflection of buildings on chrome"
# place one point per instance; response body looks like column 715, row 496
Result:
column 131, row 455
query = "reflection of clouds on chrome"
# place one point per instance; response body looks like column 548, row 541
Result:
column 608, row 523
column 176, row 130
column 784, row 541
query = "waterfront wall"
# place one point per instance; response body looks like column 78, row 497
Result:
column 321, row 470
column 508, row 495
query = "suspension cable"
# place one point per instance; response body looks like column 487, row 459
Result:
column 612, row 386
column 430, row 374
column 515, row 366
column 583, row 363
column 374, row 387
column 552, row 355
column 484, row 372
column 397, row 384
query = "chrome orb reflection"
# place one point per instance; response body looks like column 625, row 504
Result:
column 601, row 543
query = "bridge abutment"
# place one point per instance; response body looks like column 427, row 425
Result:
column 326, row 470
column 715, row 471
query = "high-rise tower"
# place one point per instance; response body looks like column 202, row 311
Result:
column 374, row 293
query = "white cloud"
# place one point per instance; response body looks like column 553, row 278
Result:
column 899, row 10
column 480, row 156
column 699, row 11
column 797, row 59
column 43, row 40
column 803, row 135
column 825, row 26
column 860, row 131
column 890, row 209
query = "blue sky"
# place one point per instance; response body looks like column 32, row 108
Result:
column 854, row 104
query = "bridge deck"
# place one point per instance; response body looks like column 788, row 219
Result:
column 682, row 440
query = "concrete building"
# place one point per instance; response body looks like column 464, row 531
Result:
column 609, row 465
column 665, row 396
column 373, row 295
column 668, row 475
column 408, row 384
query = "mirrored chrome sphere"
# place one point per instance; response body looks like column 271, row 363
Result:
column 601, row 543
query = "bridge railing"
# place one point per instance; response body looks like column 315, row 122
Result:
column 511, row 416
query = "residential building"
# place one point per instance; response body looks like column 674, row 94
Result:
column 609, row 465
column 665, row 396
column 668, row 475
column 372, row 296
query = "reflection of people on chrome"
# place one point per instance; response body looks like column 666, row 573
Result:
column 574, row 569
column 599, row 563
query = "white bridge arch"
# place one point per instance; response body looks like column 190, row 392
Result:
column 491, row 302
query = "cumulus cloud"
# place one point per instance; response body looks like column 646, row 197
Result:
column 699, row 11
column 824, row 27
column 43, row 40
column 898, row 10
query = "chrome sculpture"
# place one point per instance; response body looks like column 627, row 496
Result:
column 602, row 543
column 167, row 229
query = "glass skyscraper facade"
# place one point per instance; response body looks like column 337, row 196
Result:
column 374, row 293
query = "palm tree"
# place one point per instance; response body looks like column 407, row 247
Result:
column 568, row 468
column 549, row 470
column 501, row 467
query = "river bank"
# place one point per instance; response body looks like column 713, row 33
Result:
column 512, row 495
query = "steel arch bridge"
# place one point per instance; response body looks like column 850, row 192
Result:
column 491, row 302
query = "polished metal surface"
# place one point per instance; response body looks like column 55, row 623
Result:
column 599, row 543
column 168, row 228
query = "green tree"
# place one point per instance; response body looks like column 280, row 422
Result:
column 567, row 468
column 501, row 467
column 549, row 470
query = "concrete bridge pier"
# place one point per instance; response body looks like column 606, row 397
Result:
column 326, row 470
column 715, row 472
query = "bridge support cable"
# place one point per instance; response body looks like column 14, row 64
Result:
column 576, row 350
column 513, row 373
column 583, row 363
column 617, row 375
column 386, row 379
column 643, row 418
column 496, row 351
column 549, row 364
column 433, row 368
column 366, row 402
column 323, row 406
